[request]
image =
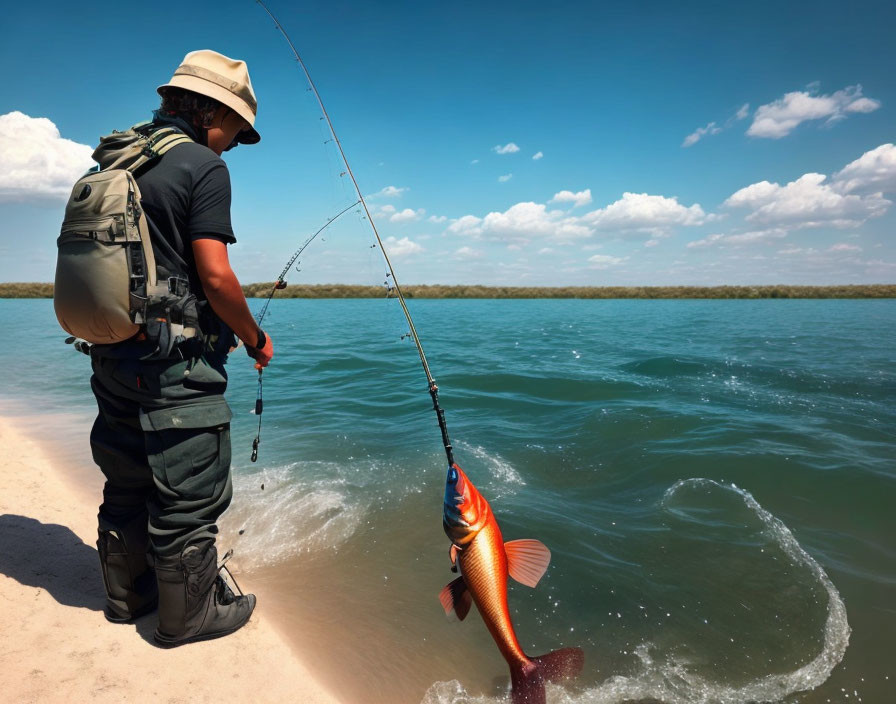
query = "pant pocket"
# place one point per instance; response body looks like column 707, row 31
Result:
column 188, row 450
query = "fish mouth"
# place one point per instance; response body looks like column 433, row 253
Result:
column 454, row 498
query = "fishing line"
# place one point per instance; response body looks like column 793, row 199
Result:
column 279, row 284
column 433, row 388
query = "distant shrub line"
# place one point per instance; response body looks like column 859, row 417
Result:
column 262, row 290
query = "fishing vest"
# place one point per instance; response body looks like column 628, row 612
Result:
column 107, row 288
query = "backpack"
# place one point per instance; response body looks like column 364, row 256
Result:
column 107, row 289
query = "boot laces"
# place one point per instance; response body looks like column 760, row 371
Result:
column 225, row 593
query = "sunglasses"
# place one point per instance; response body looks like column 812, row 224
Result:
column 235, row 143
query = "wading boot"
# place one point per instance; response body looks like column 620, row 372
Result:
column 195, row 602
column 130, row 582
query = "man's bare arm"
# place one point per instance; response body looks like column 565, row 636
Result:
column 223, row 290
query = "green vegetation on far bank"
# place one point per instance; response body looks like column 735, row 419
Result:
column 262, row 290
column 26, row 290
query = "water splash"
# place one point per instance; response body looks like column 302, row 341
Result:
column 498, row 467
column 278, row 514
column 666, row 678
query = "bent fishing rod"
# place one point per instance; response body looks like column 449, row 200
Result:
column 431, row 382
column 279, row 284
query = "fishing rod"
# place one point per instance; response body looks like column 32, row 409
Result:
column 279, row 284
column 431, row 382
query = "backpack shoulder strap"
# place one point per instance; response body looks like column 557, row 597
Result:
column 159, row 142
column 135, row 148
column 164, row 139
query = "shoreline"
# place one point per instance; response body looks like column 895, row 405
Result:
column 56, row 645
column 477, row 291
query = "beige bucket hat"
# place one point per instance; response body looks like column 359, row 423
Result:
column 226, row 80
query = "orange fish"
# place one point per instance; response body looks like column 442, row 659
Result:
column 485, row 560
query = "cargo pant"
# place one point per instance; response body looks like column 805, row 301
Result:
column 162, row 440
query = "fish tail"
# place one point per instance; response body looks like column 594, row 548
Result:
column 527, row 678
column 561, row 664
column 526, row 683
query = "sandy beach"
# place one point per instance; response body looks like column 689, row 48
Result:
column 55, row 644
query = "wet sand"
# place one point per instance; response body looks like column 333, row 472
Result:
column 55, row 644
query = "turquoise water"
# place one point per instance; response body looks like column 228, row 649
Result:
column 715, row 480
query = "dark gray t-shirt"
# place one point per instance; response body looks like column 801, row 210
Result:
column 186, row 196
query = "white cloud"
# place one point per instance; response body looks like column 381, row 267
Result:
column 475, row 161
column 437, row 218
column 641, row 212
column 407, row 215
column 863, row 105
column 843, row 247
column 402, row 247
column 580, row 198
column 875, row 169
column 520, row 223
column 706, row 241
column 389, row 192
column 712, row 128
column 699, row 133
column 36, row 162
column 651, row 243
column 509, row 148
column 505, row 178
column 739, row 239
column 604, row 261
column 538, row 155
column 468, row 253
column 779, row 118
column 383, row 211
column 806, row 202
column 545, row 250
column 468, row 224
column 530, row 219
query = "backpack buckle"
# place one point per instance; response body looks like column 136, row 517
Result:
column 178, row 286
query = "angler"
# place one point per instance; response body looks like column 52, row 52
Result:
column 478, row 550
column 143, row 273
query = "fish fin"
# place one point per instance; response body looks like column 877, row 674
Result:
column 560, row 664
column 452, row 553
column 527, row 560
column 456, row 597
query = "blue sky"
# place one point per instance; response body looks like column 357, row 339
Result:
column 676, row 143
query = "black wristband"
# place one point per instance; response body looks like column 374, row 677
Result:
column 262, row 339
